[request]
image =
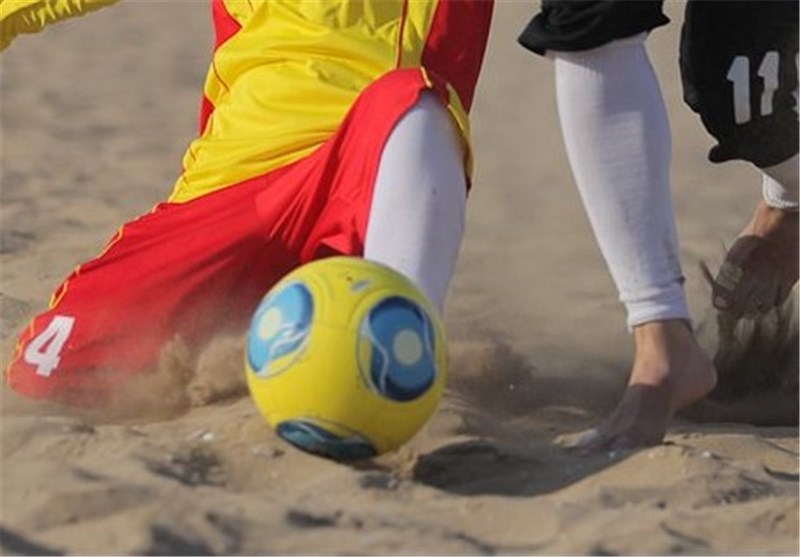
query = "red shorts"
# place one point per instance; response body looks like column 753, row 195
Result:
column 199, row 268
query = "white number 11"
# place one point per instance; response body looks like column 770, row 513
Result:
column 739, row 74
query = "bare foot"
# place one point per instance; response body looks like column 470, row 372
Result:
column 761, row 267
column 670, row 372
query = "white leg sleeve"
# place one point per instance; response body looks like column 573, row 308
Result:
column 780, row 185
column 618, row 142
column 416, row 220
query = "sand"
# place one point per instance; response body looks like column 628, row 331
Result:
column 96, row 114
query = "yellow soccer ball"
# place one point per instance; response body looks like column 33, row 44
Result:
column 346, row 358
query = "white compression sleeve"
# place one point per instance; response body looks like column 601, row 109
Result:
column 618, row 143
column 780, row 185
column 416, row 220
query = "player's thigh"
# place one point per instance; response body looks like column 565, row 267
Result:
column 183, row 271
column 739, row 69
column 567, row 25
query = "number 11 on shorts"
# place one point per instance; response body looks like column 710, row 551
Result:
column 739, row 75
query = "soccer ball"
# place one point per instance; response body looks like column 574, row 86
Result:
column 346, row 358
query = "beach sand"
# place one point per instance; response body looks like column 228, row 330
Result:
column 96, row 114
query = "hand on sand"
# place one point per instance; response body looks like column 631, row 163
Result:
column 761, row 267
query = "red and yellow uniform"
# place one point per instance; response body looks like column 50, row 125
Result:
column 299, row 100
column 263, row 110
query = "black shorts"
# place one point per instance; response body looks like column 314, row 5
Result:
column 572, row 25
column 738, row 63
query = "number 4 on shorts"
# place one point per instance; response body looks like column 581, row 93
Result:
column 44, row 351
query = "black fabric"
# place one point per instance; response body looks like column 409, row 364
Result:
column 572, row 25
column 714, row 34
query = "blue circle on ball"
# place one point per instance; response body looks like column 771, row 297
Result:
column 279, row 329
column 402, row 364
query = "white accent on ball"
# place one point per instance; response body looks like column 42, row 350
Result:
column 270, row 323
column 407, row 347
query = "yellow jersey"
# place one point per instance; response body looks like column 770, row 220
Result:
column 285, row 72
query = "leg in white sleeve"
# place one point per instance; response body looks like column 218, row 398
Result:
column 618, row 142
column 416, row 221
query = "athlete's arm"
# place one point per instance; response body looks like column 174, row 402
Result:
column 31, row 16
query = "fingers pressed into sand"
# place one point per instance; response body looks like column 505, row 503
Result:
column 670, row 372
column 751, row 280
column 761, row 267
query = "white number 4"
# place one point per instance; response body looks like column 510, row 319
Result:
column 44, row 350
